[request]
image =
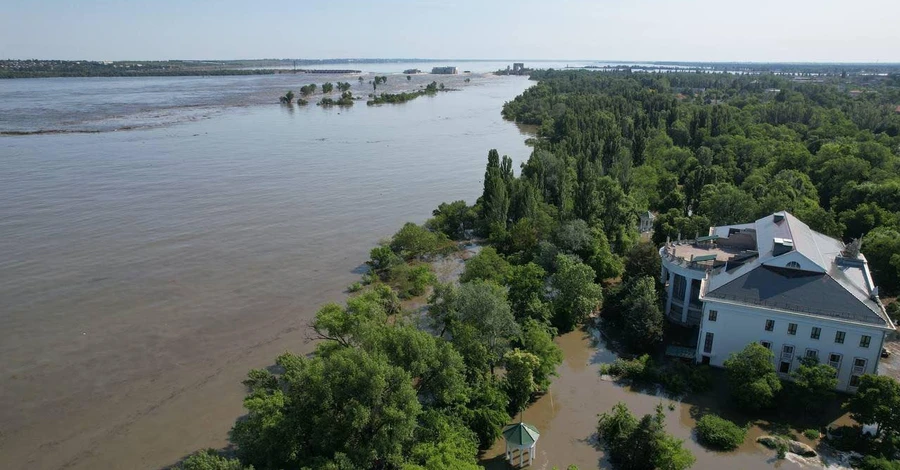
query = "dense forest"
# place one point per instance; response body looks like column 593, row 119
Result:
column 393, row 389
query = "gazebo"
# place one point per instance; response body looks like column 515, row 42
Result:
column 521, row 437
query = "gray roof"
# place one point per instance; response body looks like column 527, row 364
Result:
column 798, row 291
column 841, row 290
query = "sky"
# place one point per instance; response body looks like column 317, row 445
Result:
column 635, row 30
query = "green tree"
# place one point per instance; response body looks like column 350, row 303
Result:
column 210, row 459
column 752, row 378
column 288, row 97
column 347, row 404
column 527, row 292
column 382, row 258
column 483, row 307
column 327, row 87
column 725, row 204
column 487, row 265
column 519, row 382
column 877, row 401
column 442, row 441
column 643, row 444
column 576, row 295
column 641, row 318
column 642, row 260
column 452, row 219
column 414, row 241
column 882, row 249
column 814, row 383
column 538, row 341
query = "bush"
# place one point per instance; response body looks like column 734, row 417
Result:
column 411, row 281
column 811, row 434
column 355, row 287
column 719, row 433
column 637, row 369
column 878, row 463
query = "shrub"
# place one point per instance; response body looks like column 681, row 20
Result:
column 631, row 369
column 355, row 287
column 811, row 434
column 719, row 433
column 411, row 281
column 871, row 462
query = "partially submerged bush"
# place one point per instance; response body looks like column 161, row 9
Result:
column 719, row 433
column 811, row 434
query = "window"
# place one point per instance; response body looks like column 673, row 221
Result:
column 770, row 325
column 679, row 288
column 864, row 341
column 834, row 360
column 854, row 381
column 793, row 265
column 707, row 343
column 859, row 366
column 812, row 354
column 766, row 344
column 792, row 328
column 816, row 331
column 785, row 367
column 787, row 352
column 713, row 315
column 839, row 337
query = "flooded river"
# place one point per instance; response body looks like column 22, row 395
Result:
column 144, row 272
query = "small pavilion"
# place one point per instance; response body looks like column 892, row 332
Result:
column 520, row 437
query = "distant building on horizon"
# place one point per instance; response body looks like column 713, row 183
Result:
column 445, row 70
column 518, row 67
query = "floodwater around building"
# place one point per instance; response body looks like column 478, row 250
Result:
column 567, row 418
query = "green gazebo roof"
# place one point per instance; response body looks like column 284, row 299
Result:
column 521, row 434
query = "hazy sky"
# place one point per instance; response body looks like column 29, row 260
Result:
column 700, row 30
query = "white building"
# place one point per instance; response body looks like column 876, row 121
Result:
column 646, row 221
column 781, row 284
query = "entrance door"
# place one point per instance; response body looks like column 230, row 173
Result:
column 785, row 367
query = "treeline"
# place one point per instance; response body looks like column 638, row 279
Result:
column 403, row 97
column 707, row 149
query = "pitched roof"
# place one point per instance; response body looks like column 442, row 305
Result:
column 798, row 291
column 521, row 434
column 829, row 285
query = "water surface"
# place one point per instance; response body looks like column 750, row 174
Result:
column 144, row 272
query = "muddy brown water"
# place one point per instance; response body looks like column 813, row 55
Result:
column 567, row 418
column 143, row 273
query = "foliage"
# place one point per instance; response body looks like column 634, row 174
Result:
column 343, row 86
column 719, row 433
column 327, row 87
column 288, row 97
column 576, row 295
column 642, row 260
column 634, row 444
column 642, row 320
column 752, row 378
column 871, row 462
column 537, row 340
column 877, row 401
column 210, row 459
column 519, row 381
column 345, row 404
column 416, row 242
column 411, row 280
column 307, row 90
column 527, row 293
column 452, row 219
column 487, row 265
column 811, row 434
column 814, row 384
column 882, row 249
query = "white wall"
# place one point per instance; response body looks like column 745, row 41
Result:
column 737, row 326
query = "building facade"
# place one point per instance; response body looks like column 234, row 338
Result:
column 778, row 283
